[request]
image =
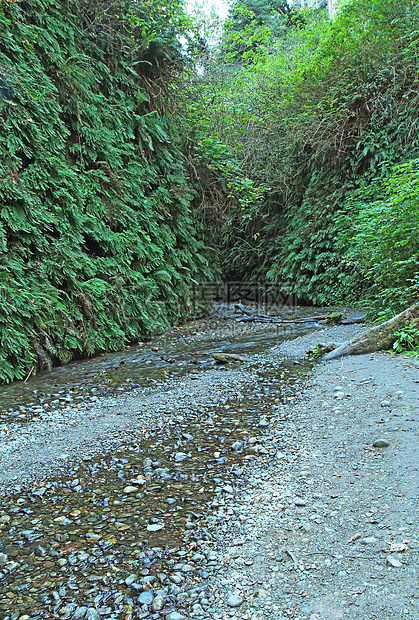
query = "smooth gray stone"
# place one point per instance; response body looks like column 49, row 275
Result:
column 158, row 603
column 145, row 598
column 381, row 443
column 234, row 600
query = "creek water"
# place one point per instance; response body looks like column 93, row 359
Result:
column 112, row 532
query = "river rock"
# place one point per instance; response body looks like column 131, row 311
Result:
column 236, row 446
column 130, row 489
column 180, row 456
column 176, row 578
column 148, row 579
column 145, row 598
column 369, row 540
column 381, row 443
column 234, row 600
column 92, row 614
column 129, row 580
column 80, row 613
column 158, row 603
column 393, row 562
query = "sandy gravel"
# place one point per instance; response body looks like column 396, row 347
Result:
column 318, row 524
column 327, row 525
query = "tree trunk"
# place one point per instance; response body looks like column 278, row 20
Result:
column 377, row 338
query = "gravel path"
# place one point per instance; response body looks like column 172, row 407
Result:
column 328, row 529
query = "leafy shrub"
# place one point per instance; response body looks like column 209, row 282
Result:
column 407, row 339
column 384, row 238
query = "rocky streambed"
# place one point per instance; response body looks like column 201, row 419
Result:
column 210, row 491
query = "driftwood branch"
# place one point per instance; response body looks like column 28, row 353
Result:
column 277, row 320
column 379, row 337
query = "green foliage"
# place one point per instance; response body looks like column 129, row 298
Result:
column 319, row 116
column 316, row 352
column 383, row 237
column 223, row 185
column 407, row 339
column 98, row 243
column 254, row 25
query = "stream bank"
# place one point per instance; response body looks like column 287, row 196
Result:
column 197, row 497
column 332, row 533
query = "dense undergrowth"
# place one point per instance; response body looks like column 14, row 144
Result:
column 319, row 118
column 99, row 239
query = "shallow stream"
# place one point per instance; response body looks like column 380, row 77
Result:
column 111, row 534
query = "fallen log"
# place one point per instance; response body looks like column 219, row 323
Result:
column 226, row 358
column 260, row 318
column 335, row 318
column 357, row 319
column 249, row 313
column 379, row 337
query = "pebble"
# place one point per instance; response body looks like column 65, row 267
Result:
column 369, row 540
column 154, row 527
column 381, row 443
column 176, row 578
column 130, row 580
column 92, row 614
column 385, row 403
column 130, row 489
column 393, row 562
column 80, row 613
column 174, row 615
column 234, row 600
column 236, row 446
column 145, row 598
column 298, row 501
column 180, row 456
column 158, row 603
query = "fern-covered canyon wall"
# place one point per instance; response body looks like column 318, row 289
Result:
column 100, row 242
column 323, row 116
column 278, row 146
